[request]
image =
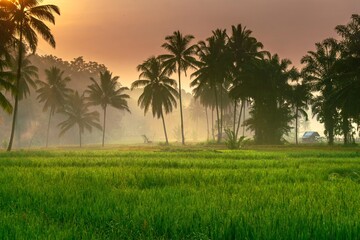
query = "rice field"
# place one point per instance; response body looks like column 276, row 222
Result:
column 169, row 193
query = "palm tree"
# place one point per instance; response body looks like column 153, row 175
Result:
column 300, row 97
column 159, row 90
column 53, row 93
column 29, row 75
column 27, row 16
column 319, row 72
column 244, row 49
column 180, row 58
column 213, row 70
column 77, row 113
column 107, row 92
column 204, row 93
column 345, row 96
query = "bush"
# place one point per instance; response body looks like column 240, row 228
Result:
column 232, row 142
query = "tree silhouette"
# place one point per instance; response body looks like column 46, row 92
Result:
column 53, row 93
column 270, row 109
column 159, row 90
column 300, row 97
column 212, row 70
column 77, row 112
column 107, row 92
column 179, row 59
column 27, row 16
column 319, row 73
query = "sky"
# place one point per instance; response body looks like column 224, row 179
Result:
column 123, row 33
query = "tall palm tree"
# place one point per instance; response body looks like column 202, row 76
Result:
column 107, row 92
column 213, row 70
column 179, row 59
column 53, row 93
column 346, row 97
column 159, row 89
column 29, row 75
column 27, row 17
column 300, row 98
column 319, row 72
column 244, row 49
column 77, row 112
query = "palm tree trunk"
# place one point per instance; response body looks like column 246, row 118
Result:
column 104, row 125
column 163, row 120
column 80, row 137
column 212, row 123
column 48, row 129
column 239, row 120
column 221, row 112
column 235, row 106
column 217, row 115
column 296, row 125
column 18, row 77
column 207, row 123
column 181, row 111
column 244, row 117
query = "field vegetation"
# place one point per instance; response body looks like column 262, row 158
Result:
column 181, row 193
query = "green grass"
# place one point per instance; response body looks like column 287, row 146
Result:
column 181, row 193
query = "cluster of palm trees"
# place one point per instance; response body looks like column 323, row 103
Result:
column 20, row 24
column 232, row 70
column 333, row 72
column 229, row 71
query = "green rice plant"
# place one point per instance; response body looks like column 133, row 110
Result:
column 194, row 194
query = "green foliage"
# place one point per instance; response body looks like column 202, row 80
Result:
column 232, row 142
column 267, row 194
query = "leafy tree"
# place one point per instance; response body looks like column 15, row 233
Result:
column 270, row 110
column 53, row 93
column 179, row 59
column 159, row 89
column 107, row 91
column 77, row 112
column 27, row 17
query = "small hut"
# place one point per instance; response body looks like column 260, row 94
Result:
column 310, row 137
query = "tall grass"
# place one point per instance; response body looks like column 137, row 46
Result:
column 179, row 195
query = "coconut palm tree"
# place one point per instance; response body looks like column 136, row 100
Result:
column 300, row 97
column 319, row 72
column 53, row 93
column 27, row 17
column 107, row 92
column 77, row 112
column 244, row 49
column 29, row 76
column 213, row 70
column 179, row 59
column 159, row 93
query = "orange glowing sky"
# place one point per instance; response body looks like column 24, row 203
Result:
column 123, row 33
